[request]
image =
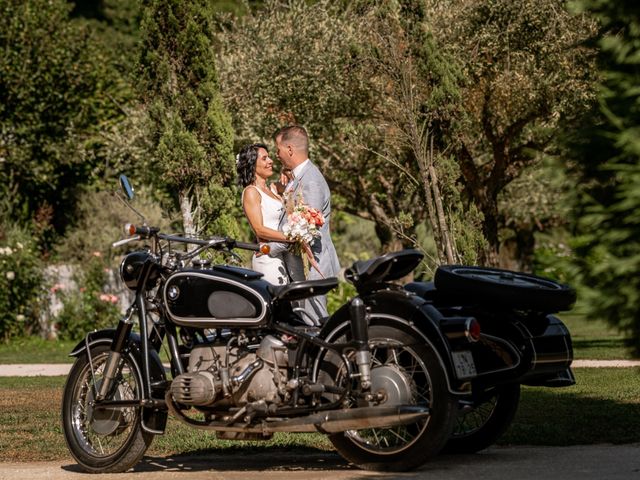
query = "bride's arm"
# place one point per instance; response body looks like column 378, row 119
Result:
column 251, row 204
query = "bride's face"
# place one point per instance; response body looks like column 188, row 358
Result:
column 264, row 164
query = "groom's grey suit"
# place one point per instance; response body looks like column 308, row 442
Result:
column 316, row 194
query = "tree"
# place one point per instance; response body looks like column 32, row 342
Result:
column 55, row 91
column 327, row 66
column 190, row 129
column 608, row 160
column 301, row 62
column 528, row 71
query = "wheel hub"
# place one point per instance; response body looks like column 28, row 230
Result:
column 394, row 385
column 104, row 421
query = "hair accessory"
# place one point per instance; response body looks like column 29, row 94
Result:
column 237, row 159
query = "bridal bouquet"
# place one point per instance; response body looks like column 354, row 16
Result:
column 303, row 223
column 302, row 228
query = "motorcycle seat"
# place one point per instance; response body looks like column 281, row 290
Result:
column 390, row 266
column 303, row 289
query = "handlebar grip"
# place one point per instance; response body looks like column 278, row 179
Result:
column 141, row 230
column 251, row 246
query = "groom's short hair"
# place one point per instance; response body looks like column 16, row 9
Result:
column 295, row 135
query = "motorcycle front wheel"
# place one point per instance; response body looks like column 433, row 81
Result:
column 103, row 440
column 410, row 373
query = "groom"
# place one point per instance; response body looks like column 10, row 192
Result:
column 292, row 144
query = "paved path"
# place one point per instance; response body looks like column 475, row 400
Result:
column 593, row 462
column 37, row 369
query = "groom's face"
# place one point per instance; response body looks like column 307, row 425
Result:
column 282, row 152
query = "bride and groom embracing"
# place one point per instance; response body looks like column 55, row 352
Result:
column 265, row 206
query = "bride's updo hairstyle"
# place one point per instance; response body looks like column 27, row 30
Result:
column 246, row 163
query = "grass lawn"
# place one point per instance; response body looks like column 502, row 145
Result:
column 594, row 340
column 603, row 407
column 36, row 350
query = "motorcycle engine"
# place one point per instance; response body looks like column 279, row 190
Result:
column 253, row 375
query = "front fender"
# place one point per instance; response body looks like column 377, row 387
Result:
column 154, row 420
column 406, row 311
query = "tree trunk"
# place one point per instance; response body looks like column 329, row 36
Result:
column 388, row 240
column 186, row 203
column 516, row 253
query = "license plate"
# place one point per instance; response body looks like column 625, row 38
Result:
column 463, row 364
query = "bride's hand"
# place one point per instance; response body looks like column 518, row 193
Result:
column 285, row 178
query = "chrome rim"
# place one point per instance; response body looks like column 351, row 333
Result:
column 102, row 433
column 397, row 364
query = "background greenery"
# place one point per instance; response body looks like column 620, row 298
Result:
column 480, row 131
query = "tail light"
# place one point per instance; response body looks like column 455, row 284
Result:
column 457, row 328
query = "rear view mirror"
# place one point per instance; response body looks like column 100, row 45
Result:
column 126, row 187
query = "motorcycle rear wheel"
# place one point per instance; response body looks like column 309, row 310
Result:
column 415, row 366
column 104, row 440
column 483, row 424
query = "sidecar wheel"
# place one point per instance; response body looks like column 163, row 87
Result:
column 414, row 369
column 105, row 440
column 504, row 288
column 482, row 425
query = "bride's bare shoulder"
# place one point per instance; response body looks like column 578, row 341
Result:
column 251, row 194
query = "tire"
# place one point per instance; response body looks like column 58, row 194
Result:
column 504, row 288
column 397, row 356
column 482, row 425
column 108, row 440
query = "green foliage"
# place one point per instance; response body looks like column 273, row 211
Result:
column 353, row 237
column 190, row 129
column 90, row 306
column 21, row 282
column 527, row 70
column 56, row 90
column 339, row 296
column 609, row 163
column 100, row 218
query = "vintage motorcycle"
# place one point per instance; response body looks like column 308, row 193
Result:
column 392, row 377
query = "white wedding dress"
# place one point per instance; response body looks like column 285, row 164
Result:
column 271, row 266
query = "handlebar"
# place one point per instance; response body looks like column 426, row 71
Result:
column 143, row 231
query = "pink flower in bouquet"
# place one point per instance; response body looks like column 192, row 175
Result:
column 302, row 224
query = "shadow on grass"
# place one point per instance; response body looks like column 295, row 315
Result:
column 599, row 343
column 556, row 417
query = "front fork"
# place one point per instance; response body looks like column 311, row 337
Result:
column 111, row 367
column 360, row 332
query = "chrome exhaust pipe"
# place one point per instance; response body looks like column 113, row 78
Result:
column 332, row 421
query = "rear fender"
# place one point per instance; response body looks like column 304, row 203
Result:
column 154, row 420
column 407, row 312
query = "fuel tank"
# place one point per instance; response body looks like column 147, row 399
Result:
column 217, row 297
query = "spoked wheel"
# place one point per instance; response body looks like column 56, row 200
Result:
column 102, row 439
column 409, row 373
column 504, row 287
column 479, row 426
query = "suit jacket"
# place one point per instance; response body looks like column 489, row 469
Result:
column 316, row 194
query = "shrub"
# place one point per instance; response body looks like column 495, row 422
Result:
column 91, row 306
column 21, row 282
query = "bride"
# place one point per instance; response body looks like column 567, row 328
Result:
column 263, row 207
